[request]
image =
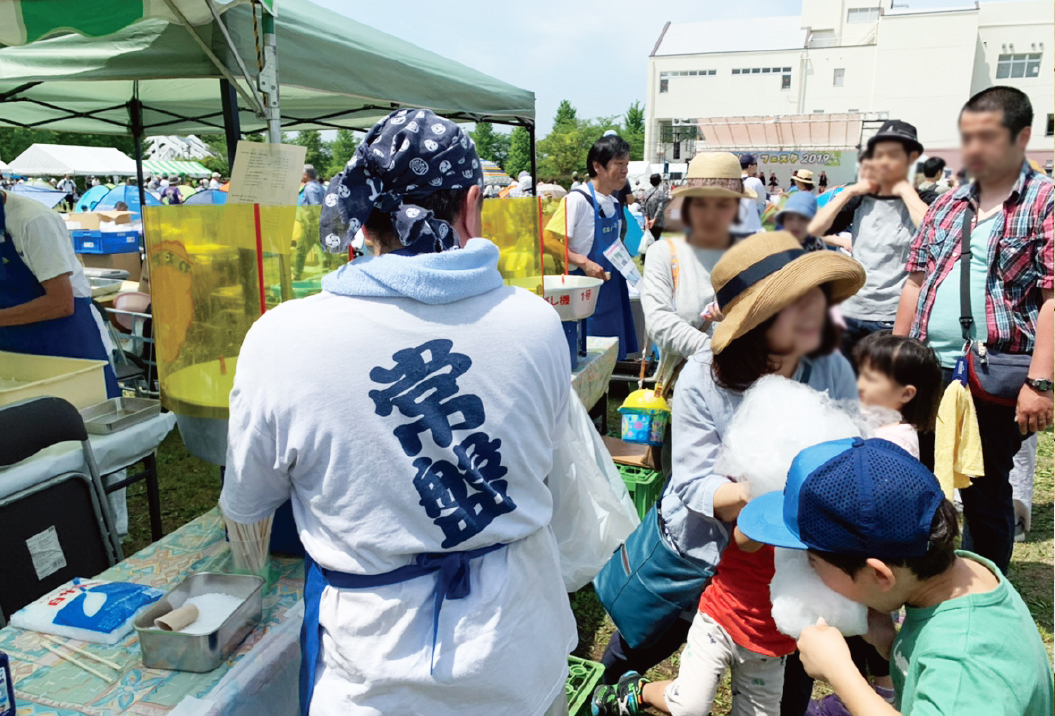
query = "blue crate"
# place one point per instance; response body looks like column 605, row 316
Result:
column 105, row 242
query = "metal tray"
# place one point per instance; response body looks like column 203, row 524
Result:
column 119, row 413
column 200, row 653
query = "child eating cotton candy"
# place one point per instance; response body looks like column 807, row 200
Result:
column 878, row 530
column 736, row 626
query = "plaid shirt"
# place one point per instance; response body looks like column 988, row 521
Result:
column 1020, row 259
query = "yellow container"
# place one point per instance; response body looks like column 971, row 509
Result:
column 645, row 417
column 24, row 376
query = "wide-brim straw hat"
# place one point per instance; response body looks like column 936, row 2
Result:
column 803, row 175
column 715, row 174
column 765, row 273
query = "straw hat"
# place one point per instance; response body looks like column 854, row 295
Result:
column 765, row 273
column 803, row 175
column 714, row 174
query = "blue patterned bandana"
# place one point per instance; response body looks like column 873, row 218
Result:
column 407, row 156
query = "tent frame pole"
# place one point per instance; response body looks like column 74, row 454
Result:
column 232, row 123
column 534, row 167
column 135, row 116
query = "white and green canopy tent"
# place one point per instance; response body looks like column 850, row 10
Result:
column 156, row 76
column 169, row 167
column 167, row 67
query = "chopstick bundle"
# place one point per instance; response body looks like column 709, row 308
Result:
column 250, row 544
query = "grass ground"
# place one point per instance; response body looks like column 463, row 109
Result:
column 190, row 487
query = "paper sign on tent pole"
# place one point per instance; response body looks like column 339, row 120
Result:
column 268, row 175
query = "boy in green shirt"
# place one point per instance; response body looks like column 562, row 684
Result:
column 880, row 532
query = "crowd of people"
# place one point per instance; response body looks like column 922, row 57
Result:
column 881, row 298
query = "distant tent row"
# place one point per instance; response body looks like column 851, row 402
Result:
column 170, row 167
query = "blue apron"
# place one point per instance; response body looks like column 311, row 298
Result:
column 74, row 336
column 452, row 582
column 613, row 316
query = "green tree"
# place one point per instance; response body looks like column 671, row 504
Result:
column 491, row 145
column 633, row 131
column 519, row 158
column 318, row 152
column 564, row 150
column 341, row 150
column 566, row 115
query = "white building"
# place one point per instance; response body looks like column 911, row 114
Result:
column 805, row 91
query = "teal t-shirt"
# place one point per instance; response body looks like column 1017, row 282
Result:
column 943, row 327
column 979, row 655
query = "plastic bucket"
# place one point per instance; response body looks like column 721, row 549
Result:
column 643, row 427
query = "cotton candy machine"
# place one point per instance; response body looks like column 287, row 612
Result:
column 574, row 298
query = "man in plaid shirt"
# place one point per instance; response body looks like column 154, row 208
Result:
column 1011, row 282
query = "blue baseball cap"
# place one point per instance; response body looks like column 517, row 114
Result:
column 867, row 498
column 747, row 160
column 800, row 202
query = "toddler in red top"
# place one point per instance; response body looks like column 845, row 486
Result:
column 733, row 629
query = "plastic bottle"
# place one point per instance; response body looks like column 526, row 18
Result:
column 7, row 687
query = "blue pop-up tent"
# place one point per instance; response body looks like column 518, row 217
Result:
column 129, row 195
column 207, row 196
column 91, row 197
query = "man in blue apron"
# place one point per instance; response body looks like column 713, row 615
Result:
column 594, row 217
column 45, row 299
column 411, row 412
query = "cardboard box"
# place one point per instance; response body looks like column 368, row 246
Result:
column 90, row 220
column 629, row 453
column 126, row 262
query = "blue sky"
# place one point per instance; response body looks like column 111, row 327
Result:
column 592, row 53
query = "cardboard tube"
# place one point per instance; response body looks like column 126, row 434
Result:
column 177, row 619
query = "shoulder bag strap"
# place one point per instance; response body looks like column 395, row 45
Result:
column 673, row 262
column 966, row 316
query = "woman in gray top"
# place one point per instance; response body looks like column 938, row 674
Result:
column 774, row 297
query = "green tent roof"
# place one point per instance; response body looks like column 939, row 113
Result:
column 176, row 166
column 333, row 72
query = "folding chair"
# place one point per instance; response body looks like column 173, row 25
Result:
column 69, row 509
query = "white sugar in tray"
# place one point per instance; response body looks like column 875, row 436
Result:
column 213, row 610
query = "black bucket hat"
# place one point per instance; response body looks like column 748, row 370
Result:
column 896, row 130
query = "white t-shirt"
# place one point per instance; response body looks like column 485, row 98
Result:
column 581, row 218
column 323, row 409
column 43, row 242
column 755, row 185
column 214, row 184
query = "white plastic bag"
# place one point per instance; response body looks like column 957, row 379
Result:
column 592, row 510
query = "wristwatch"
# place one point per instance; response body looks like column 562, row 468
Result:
column 1041, row 386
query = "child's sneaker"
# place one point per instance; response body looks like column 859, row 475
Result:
column 623, row 699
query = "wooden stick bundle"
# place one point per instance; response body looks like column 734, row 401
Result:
column 250, row 544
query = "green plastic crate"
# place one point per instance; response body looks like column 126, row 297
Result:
column 644, row 486
column 583, row 678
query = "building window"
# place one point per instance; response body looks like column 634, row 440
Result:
column 785, row 82
column 862, row 14
column 1018, row 65
column 1050, row 130
column 840, row 75
column 765, row 70
column 756, row 70
column 663, row 85
column 736, row 72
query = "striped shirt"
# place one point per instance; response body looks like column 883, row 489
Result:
column 1020, row 259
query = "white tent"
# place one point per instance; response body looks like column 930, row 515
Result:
column 59, row 159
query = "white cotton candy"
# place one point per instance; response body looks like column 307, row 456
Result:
column 777, row 419
column 800, row 598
